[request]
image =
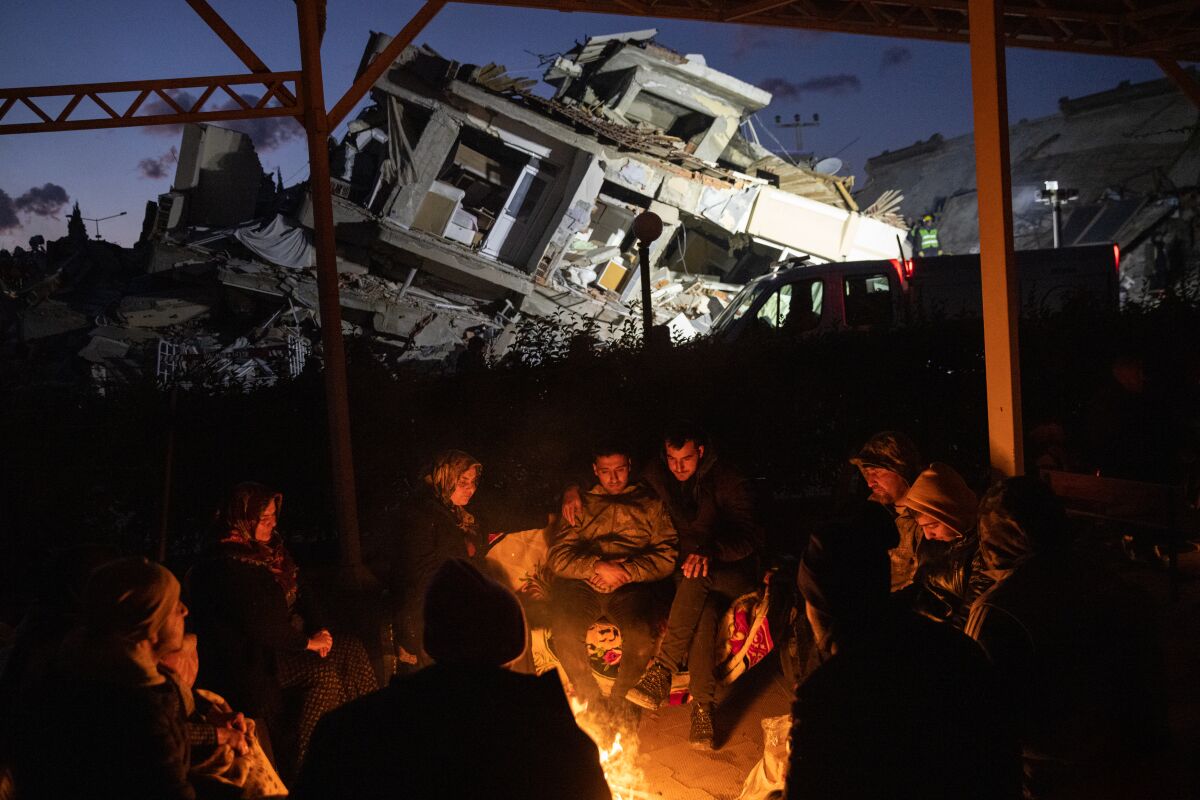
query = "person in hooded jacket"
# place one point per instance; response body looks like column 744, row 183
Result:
column 889, row 463
column 464, row 727
column 900, row 707
column 948, row 576
column 1079, row 660
column 106, row 721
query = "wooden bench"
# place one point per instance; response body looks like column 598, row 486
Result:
column 1155, row 511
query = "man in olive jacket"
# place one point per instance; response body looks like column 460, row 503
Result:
column 607, row 564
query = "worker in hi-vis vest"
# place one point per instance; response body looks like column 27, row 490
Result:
column 925, row 238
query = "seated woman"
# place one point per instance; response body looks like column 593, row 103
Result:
column 948, row 577
column 261, row 631
column 420, row 534
column 106, row 722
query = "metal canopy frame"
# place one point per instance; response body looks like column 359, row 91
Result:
column 1167, row 31
column 1168, row 28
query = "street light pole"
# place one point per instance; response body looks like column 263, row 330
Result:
column 101, row 219
column 647, row 227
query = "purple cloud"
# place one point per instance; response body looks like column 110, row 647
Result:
column 834, row 84
column 159, row 168
column 749, row 38
column 894, row 57
column 45, row 201
column 268, row 133
column 8, row 213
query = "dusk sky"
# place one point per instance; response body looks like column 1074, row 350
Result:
column 872, row 93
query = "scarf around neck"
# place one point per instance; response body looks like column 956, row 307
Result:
column 271, row 554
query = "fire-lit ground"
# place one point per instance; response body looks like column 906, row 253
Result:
column 665, row 766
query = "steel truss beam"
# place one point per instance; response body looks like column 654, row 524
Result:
column 1100, row 28
column 233, row 41
column 174, row 111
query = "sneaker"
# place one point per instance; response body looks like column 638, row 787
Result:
column 700, row 736
column 652, row 689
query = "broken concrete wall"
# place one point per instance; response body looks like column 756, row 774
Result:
column 218, row 177
column 638, row 81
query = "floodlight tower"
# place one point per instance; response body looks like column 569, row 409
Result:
column 1056, row 198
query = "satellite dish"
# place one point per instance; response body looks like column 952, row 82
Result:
column 828, row 166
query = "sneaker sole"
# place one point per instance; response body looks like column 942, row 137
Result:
column 706, row 746
column 641, row 700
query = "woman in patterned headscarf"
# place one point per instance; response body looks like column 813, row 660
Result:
column 259, row 629
column 428, row 530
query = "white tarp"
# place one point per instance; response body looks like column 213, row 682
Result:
column 280, row 242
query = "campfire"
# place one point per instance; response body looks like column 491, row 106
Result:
column 618, row 754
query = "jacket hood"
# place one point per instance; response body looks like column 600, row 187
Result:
column 941, row 493
column 890, row 450
column 1018, row 518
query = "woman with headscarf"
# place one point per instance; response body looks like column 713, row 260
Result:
column 108, row 722
column 260, row 630
column 429, row 529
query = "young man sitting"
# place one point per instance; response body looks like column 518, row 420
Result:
column 606, row 564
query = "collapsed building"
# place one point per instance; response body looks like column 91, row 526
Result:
column 1132, row 153
column 464, row 202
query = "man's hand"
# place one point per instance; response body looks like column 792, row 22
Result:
column 572, row 505
column 609, row 576
column 695, row 566
column 320, row 643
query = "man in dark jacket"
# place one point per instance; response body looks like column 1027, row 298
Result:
column 889, row 463
column 719, row 546
column 463, row 727
column 607, row 564
column 901, row 707
column 1078, row 657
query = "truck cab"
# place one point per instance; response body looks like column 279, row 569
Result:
column 801, row 298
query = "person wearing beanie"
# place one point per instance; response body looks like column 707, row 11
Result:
column 107, row 722
column 470, row 618
column 889, row 463
column 465, row 726
column 949, row 575
column 900, row 706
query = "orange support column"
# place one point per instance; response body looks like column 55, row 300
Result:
column 337, row 399
column 1001, row 301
